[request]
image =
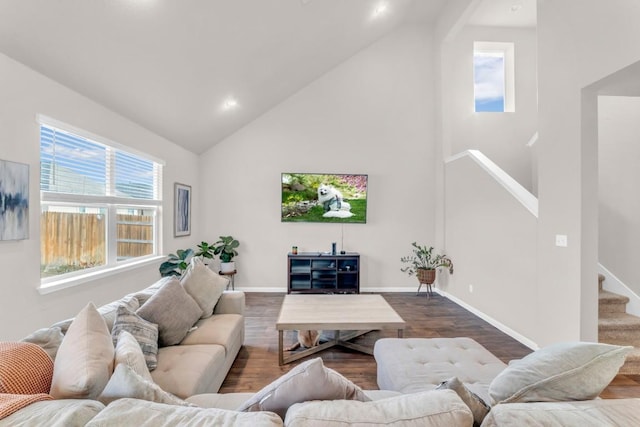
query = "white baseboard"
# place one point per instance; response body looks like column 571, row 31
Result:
column 493, row 322
column 615, row 285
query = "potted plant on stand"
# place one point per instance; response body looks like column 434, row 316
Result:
column 423, row 263
column 226, row 249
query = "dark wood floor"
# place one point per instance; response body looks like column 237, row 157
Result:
column 257, row 362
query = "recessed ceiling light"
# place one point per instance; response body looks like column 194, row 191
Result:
column 230, row 104
column 380, row 9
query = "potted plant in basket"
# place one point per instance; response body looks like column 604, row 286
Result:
column 423, row 263
column 226, row 249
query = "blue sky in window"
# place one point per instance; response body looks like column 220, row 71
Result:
column 488, row 81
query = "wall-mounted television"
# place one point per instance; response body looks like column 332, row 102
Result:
column 332, row 198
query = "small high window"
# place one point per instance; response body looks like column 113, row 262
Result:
column 493, row 77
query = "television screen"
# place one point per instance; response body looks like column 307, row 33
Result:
column 311, row 197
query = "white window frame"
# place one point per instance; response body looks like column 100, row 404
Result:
column 111, row 204
column 507, row 49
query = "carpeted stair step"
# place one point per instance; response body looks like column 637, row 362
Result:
column 609, row 302
column 620, row 329
column 632, row 363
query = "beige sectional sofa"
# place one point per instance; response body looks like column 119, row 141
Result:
column 200, row 363
column 424, row 382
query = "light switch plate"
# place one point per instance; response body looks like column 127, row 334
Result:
column 561, row 240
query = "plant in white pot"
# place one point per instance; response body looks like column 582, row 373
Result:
column 423, row 263
column 226, row 249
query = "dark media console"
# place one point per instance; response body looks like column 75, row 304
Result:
column 319, row 272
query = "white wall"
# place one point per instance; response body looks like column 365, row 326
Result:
column 619, row 175
column 372, row 114
column 491, row 237
column 576, row 47
column 24, row 94
column 500, row 136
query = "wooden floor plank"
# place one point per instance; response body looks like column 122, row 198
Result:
column 257, row 362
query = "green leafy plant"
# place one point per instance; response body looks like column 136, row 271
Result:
column 226, row 248
column 423, row 258
column 205, row 250
column 177, row 263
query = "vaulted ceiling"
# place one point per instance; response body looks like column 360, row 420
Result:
column 195, row 71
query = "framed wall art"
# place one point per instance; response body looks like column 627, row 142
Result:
column 14, row 200
column 182, row 213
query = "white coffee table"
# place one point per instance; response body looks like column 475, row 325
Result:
column 342, row 312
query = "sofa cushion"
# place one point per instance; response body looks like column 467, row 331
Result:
column 588, row 413
column 173, row 310
column 25, row 368
column 559, row 372
column 429, row 408
column 85, row 358
column 204, row 286
column 478, row 407
column 221, row 329
column 49, row 339
column 65, row 412
column 128, row 352
column 234, row 400
column 145, row 333
column 132, row 412
column 10, row 403
column 310, row 380
column 125, row 382
column 185, row 370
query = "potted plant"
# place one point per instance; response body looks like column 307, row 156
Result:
column 205, row 251
column 177, row 263
column 226, row 249
column 423, row 263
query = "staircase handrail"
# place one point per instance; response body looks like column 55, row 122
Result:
column 528, row 200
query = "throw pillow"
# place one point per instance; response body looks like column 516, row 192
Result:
column 173, row 310
column 128, row 351
column 478, row 407
column 85, row 358
column 25, row 368
column 310, row 380
column 10, row 403
column 125, row 382
column 49, row 339
column 559, row 372
column 145, row 333
column 204, row 286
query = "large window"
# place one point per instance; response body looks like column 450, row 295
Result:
column 100, row 203
column 493, row 77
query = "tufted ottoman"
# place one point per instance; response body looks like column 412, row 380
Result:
column 409, row 365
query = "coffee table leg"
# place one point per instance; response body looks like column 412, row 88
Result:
column 280, row 347
column 400, row 333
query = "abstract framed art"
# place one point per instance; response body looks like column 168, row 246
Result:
column 14, row 200
column 182, row 213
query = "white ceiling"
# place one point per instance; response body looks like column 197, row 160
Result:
column 505, row 13
column 169, row 65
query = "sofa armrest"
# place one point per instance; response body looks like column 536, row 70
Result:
column 230, row 302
